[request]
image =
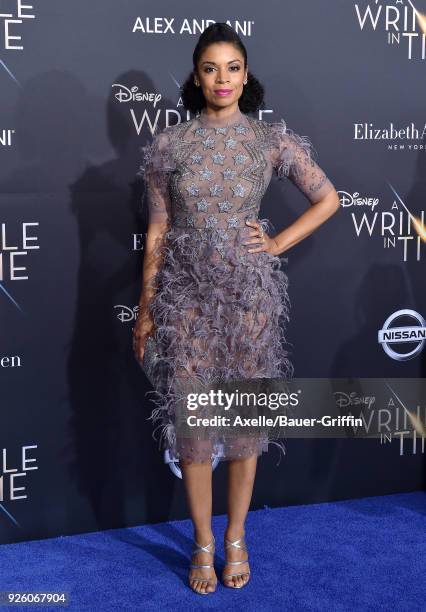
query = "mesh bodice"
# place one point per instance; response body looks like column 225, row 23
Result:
column 210, row 173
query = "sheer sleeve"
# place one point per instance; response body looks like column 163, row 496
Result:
column 293, row 158
column 157, row 164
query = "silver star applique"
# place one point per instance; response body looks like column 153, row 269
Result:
column 206, row 173
column 220, row 130
column 229, row 174
column 193, row 189
column 190, row 221
column 211, row 221
column 240, row 158
column 233, row 222
column 224, row 206
column 238, row 190
column 222, row 233
column 196, row 158
column 230, row 143
column 216, row 189
column 218, row 157
column 209, row 143
column 241, row 129
column 202, row 205
column 200, row 131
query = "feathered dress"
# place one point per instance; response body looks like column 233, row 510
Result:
column 220, row 312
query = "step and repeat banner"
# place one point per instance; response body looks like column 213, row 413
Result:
column 83, row 87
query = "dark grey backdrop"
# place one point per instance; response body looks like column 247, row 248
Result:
column 74, row 390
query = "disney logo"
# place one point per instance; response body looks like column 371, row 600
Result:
column 127, row 314
column 347, row 199
column 124, row 94
column 344, row 399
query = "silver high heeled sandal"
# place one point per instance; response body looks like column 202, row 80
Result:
column 242, row 546
column 196, row 549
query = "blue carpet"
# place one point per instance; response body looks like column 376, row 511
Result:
column 365, row 554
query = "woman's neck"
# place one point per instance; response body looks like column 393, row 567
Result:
column 219, row 119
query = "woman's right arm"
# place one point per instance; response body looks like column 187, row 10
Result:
column 155, row 171
column 144, row 326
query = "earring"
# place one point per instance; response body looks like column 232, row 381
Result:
column 244, row 82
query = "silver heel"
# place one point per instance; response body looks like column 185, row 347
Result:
column 196, row 549
column 236, row 544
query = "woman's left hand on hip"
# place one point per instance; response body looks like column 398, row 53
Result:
column 260, row 239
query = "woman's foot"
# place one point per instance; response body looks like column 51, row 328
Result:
column 236, row 553
column 203, row 579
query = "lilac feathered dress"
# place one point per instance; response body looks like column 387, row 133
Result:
column 219, row 311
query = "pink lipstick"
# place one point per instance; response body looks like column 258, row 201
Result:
column 222, row 92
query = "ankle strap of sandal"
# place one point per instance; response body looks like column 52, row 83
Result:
column 198, row 548
column 236, row 544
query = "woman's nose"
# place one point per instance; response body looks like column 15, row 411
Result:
column 221, row 79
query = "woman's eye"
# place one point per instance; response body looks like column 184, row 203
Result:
column 232, row 68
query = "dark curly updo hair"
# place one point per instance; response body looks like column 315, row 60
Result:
column 192, row 96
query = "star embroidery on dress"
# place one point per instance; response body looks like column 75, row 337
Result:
column 229, row 174
column 240, row 158
column 220, row 130
column 211, row 221
column 206, row 173
column 202, row 205
column 232, row 222
column 218, row 157
column 196, row 158
column 241, row 129
column 193, row 189
column 238, row 190
column 200, row 131
column 230, row 143
column 216, row 189
column 209, row 143
column 224, row 206
column 190, row 221
column 222, row 233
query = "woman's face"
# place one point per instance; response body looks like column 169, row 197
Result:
column 220, row 74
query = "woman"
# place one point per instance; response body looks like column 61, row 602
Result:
column 213, row 291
